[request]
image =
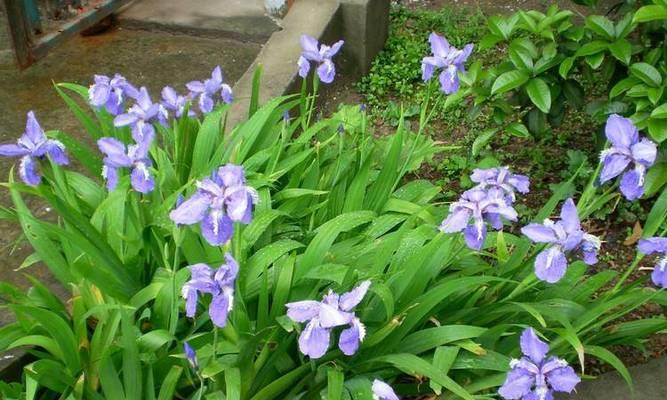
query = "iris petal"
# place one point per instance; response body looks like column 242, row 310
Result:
column 550, row 265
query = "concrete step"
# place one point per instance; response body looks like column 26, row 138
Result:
column 650, row 381
column 245, row 20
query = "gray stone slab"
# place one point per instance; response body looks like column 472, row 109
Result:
column 363, row 24
column 238, row 19
column 650, row 384
column 365, row 27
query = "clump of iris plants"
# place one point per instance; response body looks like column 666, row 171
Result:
column 217, row 266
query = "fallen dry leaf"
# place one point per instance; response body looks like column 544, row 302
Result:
column 635, row 236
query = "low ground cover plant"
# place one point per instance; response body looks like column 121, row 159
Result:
column 537, row 80
column 291, row 259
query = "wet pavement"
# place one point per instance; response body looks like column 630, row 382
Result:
column 648, row 379
column 151, row 59
column 238, row 19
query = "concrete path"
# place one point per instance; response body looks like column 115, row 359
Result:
column 650, row 381
column 239, row 19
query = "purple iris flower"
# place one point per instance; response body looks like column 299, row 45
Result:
column 110, row 93
column 535, row 376
column 319, row 54
column 218, row 283
column 33, row 146
column 447, row 57
column 135, row 157
column 481, row 206
column 140, row 116
column 382, row 391
column 191, row 356
column 207, row 92
column 501, row 178
column 562, row 236
column 219, row 201
column 322, row 316
column 626, row 148
column 656, row 245
column 174, row 102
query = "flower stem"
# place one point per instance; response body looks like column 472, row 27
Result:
column 313, row 97
column 423, row 121
column 627, row 273
column 631, row 268
column 215, row 343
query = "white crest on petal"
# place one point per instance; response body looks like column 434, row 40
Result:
column 592, row 239
column 662, row 264
column 229, row 292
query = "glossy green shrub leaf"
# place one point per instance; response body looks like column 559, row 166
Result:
column 657, row 128
column 591, row 48
column 503, row 26
column 508, row 81
column 539, row 94
column 565, row 67
column 602, row 26
column 518, row 129
column 623, row 86
column 624, row 26
column 646, row 73
column 482, row 140
column 660, row 112
column 622, row 50
column 650, row 13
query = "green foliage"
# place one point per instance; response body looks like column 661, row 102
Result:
column 334, row 208
column 396, row 72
